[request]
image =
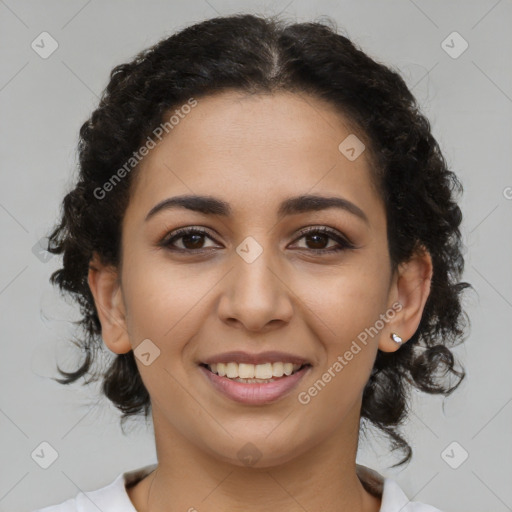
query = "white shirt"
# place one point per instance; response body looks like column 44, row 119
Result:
column 114, row 498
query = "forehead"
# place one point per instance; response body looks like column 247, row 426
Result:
column 253, row 151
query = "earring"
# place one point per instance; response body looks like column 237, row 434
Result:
column 396, row 338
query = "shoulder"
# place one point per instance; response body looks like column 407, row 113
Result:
column 393, row 498
column 110, row 498
column 66, row 506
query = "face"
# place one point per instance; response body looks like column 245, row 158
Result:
column 259, row 272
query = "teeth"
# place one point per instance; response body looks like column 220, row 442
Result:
column 264, row 371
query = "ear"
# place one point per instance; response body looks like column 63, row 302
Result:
column 410, row 287
column 108, row 297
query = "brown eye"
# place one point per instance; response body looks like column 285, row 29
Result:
column 317, row 240
column 192, row 239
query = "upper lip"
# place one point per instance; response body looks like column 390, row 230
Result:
column 261, row 358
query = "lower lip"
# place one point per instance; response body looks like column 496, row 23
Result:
column 255, row 393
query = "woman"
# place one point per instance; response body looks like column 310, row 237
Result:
column 264, row 234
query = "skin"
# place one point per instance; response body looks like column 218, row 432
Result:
column 254, row 152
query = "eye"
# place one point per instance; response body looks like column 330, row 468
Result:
column 319, row 238
column 192, row 240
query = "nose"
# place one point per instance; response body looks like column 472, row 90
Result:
column 256, row 296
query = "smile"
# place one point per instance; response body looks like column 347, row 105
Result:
column 246, row 371
column 254, row 384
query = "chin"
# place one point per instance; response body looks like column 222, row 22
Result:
column 258, row 453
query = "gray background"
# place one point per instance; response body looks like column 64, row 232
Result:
column 43, row 104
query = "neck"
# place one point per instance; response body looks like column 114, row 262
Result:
column 189, row 479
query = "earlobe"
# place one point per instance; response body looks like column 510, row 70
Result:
column 106, row 289
column 410, row 288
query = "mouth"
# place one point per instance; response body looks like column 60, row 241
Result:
column 254, row 373
column 254, row 384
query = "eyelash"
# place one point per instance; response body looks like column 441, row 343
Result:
column 345, row 244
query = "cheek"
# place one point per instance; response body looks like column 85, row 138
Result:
column 344, row 302
column 332, row 396
column 342, row 312
column 161, row 300
column 162, row 305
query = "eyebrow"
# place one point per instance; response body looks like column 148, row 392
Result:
column 294, row 205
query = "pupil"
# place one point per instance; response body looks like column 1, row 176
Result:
column 318, row 241
column 316, row 237
column 195, row 245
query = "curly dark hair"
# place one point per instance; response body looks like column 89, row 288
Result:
column 258, row 55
